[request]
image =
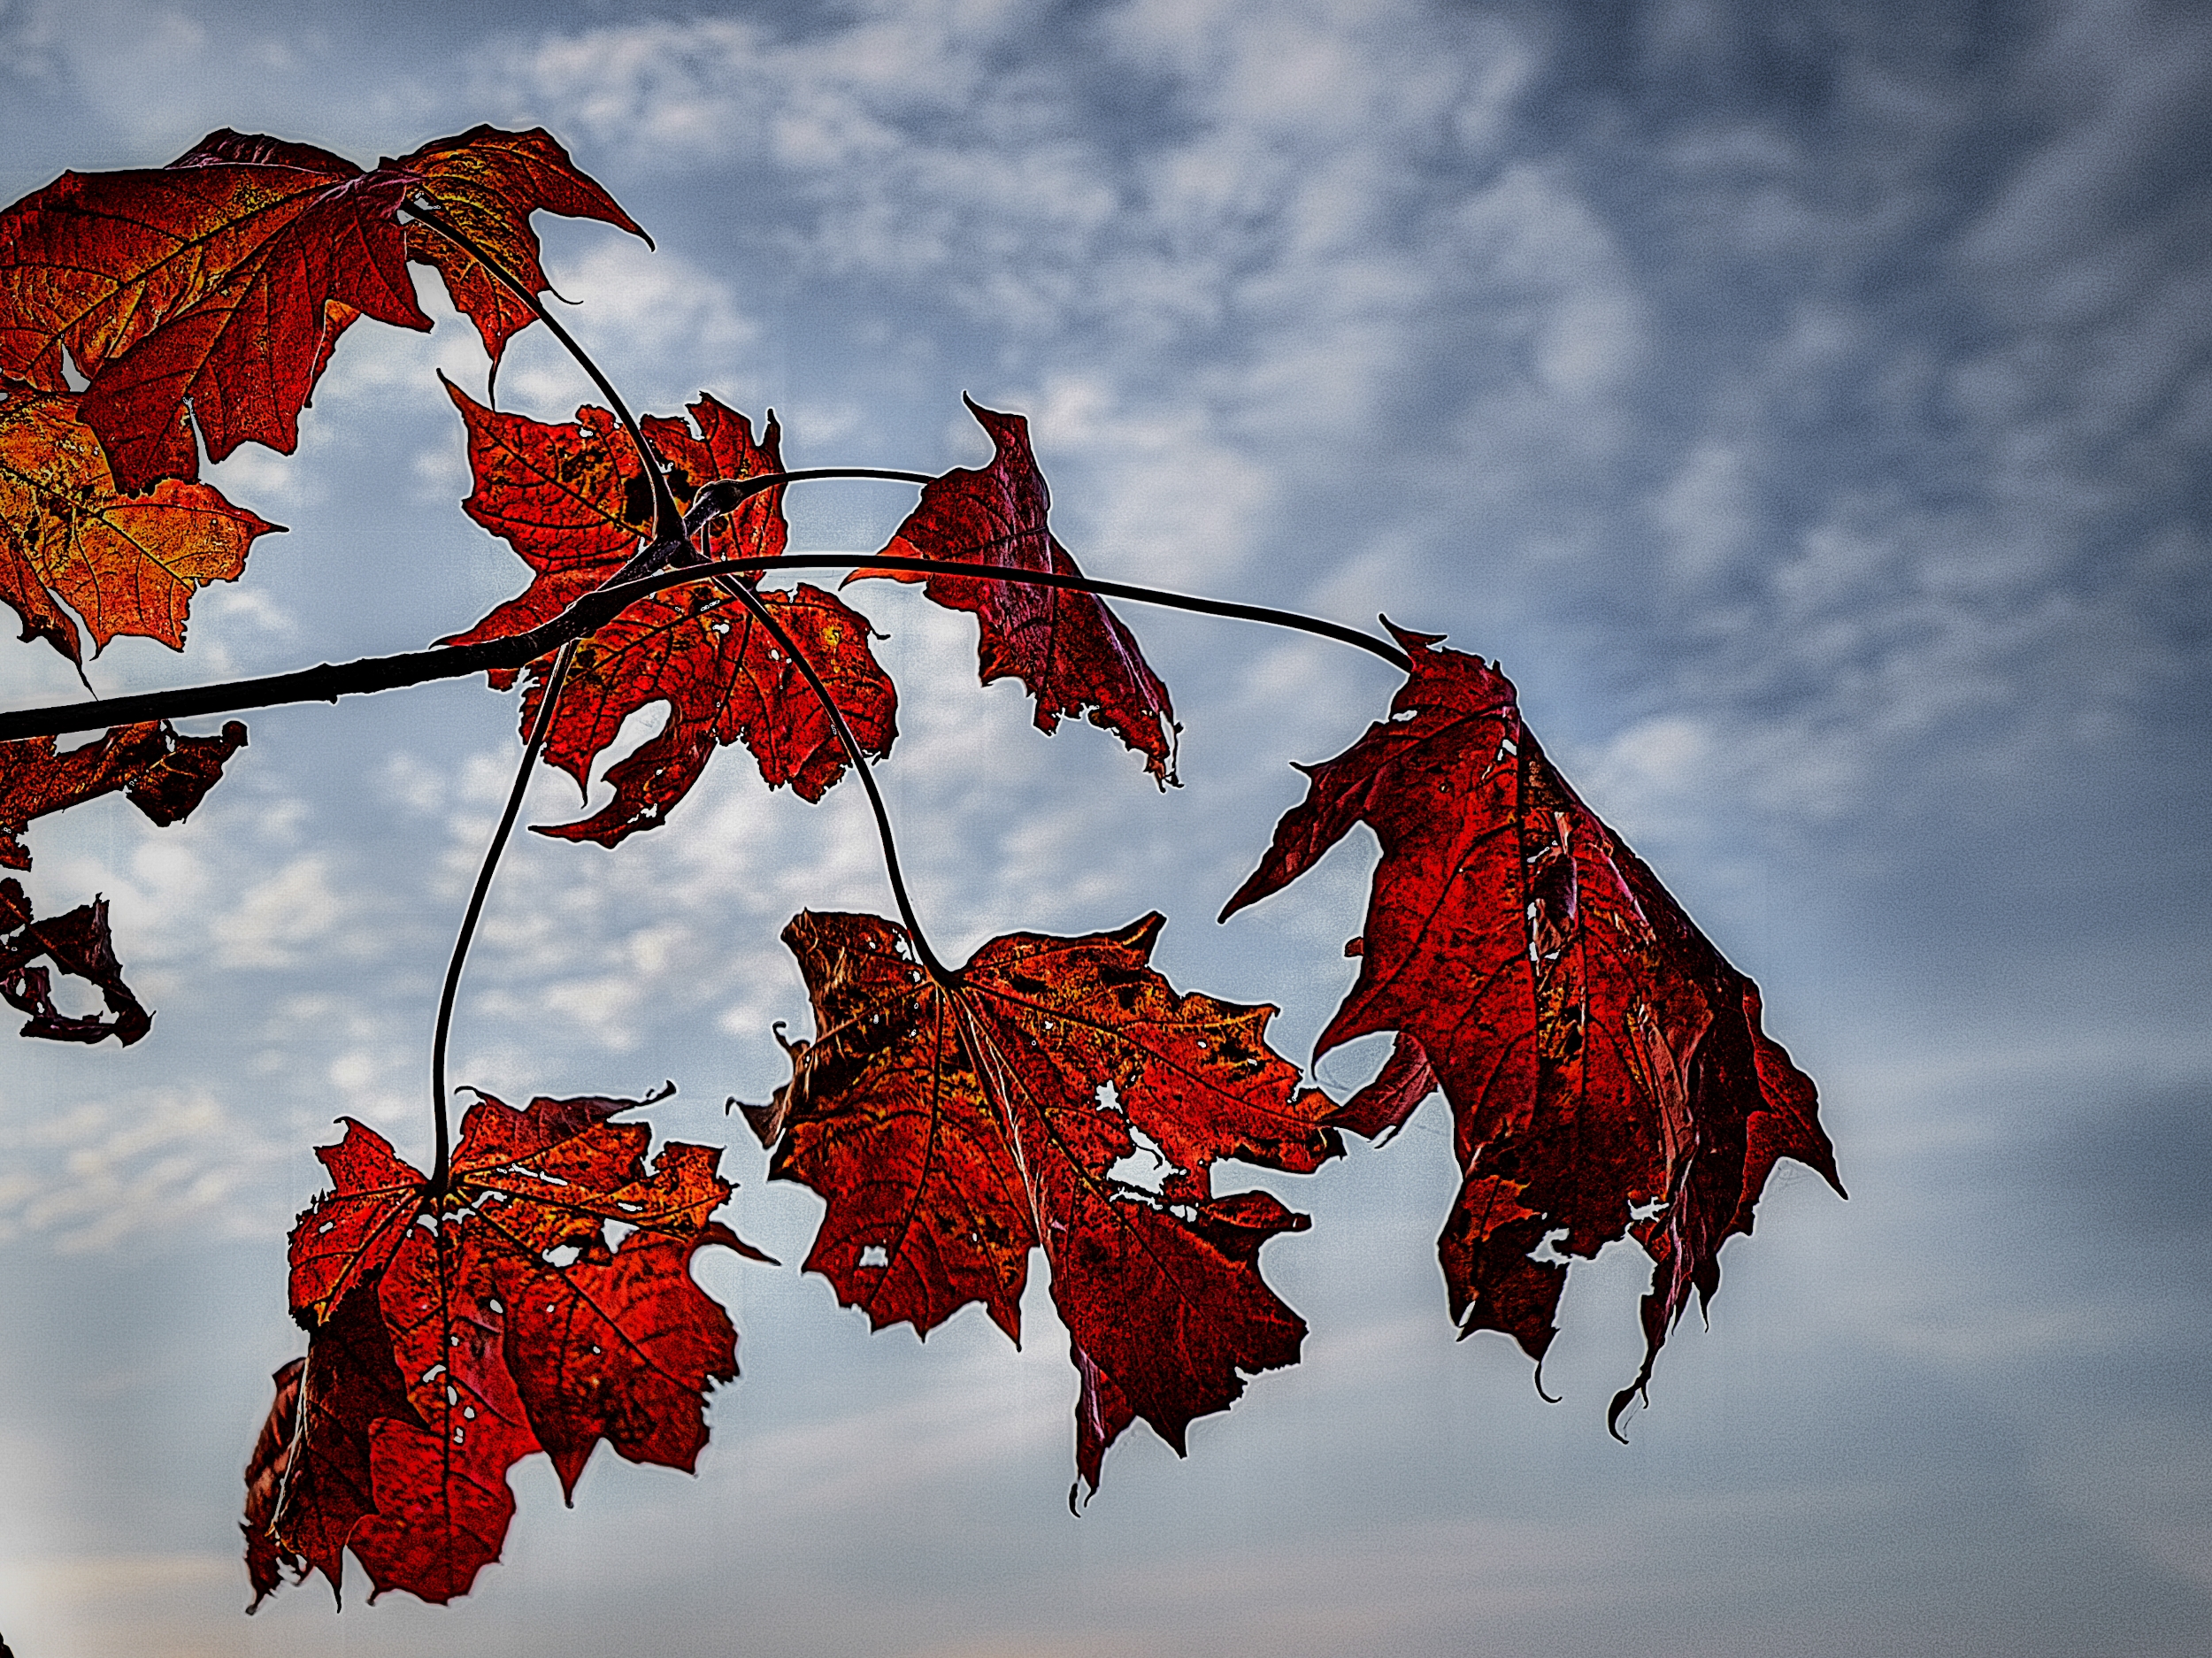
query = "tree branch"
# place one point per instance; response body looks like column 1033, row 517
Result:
column 369, row 674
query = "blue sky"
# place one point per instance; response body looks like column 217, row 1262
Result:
column 1808, row 406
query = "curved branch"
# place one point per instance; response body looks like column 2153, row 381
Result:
column 1231, row 608
column 666, row 519
column 721, row 495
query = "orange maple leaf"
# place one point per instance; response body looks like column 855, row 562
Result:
column 123, row 564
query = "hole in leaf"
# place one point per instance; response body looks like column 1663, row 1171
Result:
column 1146, row 1167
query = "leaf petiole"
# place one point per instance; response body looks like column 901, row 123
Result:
column 665, row 515
column 440, row 1167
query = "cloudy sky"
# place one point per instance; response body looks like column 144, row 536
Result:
column 1808, row 405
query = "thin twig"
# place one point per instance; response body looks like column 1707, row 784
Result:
column 665, row 517
column 441, row 1168
column 752, row 600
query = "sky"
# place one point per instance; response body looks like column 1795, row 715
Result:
column 1808, row 406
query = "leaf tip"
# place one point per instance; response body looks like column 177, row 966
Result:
column 1613, row 1412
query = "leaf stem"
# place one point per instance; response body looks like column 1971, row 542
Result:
column 752, row 600
column 442, row 1167
column 665, row 517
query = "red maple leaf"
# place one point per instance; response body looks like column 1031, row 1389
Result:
column 162, row 773
column 1069, row 649
column 573, row 502
column 1604, row 1064
column 451, row 1336
column 953, row 1127
column 223, row 280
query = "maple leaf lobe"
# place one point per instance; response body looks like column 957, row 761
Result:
column 223, row 280
column 487, row 183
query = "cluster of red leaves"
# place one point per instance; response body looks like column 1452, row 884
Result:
column 574, row 504
column 953, row 1126
column 210, row 294
column 452, row 1335
column 1605, row 1067
column 198, row 303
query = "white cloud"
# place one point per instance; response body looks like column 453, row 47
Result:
column 278, row 920
column 1225, row 296
column 150, row 1161
column 665, row 327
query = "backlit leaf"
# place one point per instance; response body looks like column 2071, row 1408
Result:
column 123, row 564
column 487, row 183
column 1605, row 1065
column 1057, row 1095
column 223, row 280
column 450, row 1337
column 1069, row 649
column 573, row 502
